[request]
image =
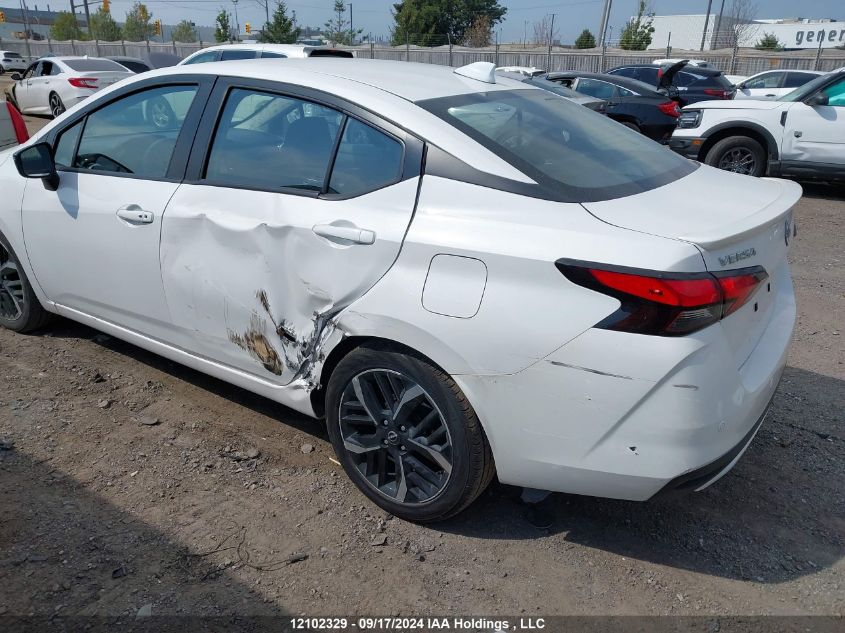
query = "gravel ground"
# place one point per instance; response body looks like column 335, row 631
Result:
column 128, row 482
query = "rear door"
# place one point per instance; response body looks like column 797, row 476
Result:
column 294, row 207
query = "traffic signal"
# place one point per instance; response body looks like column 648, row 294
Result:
column 157, row 25
column 248, row 28
column 106, row 6
column 2, row 16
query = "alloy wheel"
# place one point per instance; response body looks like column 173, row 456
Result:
column 56, row 105
column 12, row 298
column 740, row 160
column 395, row 436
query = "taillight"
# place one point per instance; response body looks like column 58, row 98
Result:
column 21, row 133
column 719, row 93
column 665, row 304
column 669, row 108
column 83, row 82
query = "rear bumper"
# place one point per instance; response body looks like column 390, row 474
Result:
column 687, row 147
column 627, row 416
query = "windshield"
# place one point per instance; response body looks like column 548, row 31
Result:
column 566, row 148
column 802, row 92
column 83, row 65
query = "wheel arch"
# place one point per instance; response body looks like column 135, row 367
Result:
column 751, row 130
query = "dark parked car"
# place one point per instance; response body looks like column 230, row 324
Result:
column 686, row 84
column 631, row 102
column 134, row 64
column 539, row 81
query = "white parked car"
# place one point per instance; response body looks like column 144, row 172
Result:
column 773, row 83
column 244, row 50
column 10, row 61
column 53, row 84
column 801, row 134
column 466, row 276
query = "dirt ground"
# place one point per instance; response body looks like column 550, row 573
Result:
column 130, row 483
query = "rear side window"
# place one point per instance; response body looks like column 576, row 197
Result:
column 238, row 54
column 329, row 52
column 596, row 88
column 767, row 80
column 367, row 159
column 270, row 141
column 570, row 151
column 202, row 58
column 135, row 67
column 12, row 55
column 136, row 134
column 794, row 80
column 625, row 72
column 87, row 65
column 271, row 55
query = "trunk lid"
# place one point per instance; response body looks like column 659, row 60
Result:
column 735, row 222
column 104, row 77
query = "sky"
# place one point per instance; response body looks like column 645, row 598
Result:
column 374, row 16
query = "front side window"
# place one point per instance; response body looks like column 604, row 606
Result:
column 271, row 141
column 567, row 149
column 135, row 134
column 769, row 80
column 271, row 55
column 367, row 159
column 29, row 71
column 202, row 58
column 65, row 148
column 836, row 93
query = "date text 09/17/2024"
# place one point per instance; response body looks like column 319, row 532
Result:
column 418, row 624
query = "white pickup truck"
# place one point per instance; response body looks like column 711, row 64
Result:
column 801, row 134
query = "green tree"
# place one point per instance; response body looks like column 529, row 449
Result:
column 222, row 28
column 337, row 29
column 479, row 34
column 433, row 22
column 636, row 35
column 281, row 29
column 769, row 42
column 185, row 32
column 138, row 26
column 585, row 40
column 103, row 26
column 65, row 27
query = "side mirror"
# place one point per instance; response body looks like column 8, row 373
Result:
column 36, row 161
column 818, row 99
column 15, row 76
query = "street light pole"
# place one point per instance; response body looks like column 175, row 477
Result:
column 237, row 24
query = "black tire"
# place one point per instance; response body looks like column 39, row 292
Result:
column 471, row 468
column 631, row 126
column 739, row 154
column 20, row 309
column 57, row 108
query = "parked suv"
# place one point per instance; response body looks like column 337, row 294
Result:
column 692, row 83
column 11, row 61
column 802, row 134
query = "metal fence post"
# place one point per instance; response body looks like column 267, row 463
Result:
column 97, row 46
column 669, row 45
column 372, row 49
column 818, row 55
column 72, row 46
column 174, row 46
column 123, row 46
column 407, row 47
column 602, row 58
column 26, row 39
column 148, row 46
column 734, row 53
column 449, row 39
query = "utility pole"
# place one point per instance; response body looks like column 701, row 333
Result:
column 605, row 17
column 525, row 34
column 551, row 37
column 351, row 30
column 706, row 22
column 718, row 28
column 26, row 28
column 237, row 24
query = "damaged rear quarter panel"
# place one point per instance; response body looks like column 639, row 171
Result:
column 251, row 286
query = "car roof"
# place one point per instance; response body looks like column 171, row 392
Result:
column 429, row 80
column 291, row 50
column 787, row 70
column 617, row 80
column 694, row 70
column 118, row 58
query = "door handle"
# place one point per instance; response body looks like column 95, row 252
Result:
column 133, row 214
column 345, row 233
column 771, row 95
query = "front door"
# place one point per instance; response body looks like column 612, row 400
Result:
column 94, row 243
column 297, row 211
column 22, row 89
column 814, row 135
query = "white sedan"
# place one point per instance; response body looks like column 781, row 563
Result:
column 53, row 84
column 772, row 84
column 467, row 277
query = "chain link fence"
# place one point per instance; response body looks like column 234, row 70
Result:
column 437, row 49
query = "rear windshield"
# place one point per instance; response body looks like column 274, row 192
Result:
column 85, row 65
column 12, row 55
column 574, row 153
column 703, row 81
